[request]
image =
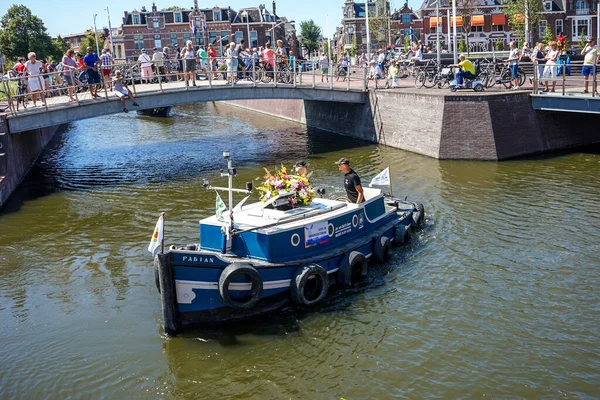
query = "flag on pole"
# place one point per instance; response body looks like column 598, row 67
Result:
column 192, row 27
column 382, row 178
column 221, row 208
column 157, row 236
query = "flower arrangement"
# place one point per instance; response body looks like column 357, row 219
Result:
column 281, row 182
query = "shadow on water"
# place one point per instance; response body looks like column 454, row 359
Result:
column 145, row 152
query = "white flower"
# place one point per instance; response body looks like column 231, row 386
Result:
column 302, row 193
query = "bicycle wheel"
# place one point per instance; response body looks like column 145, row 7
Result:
column 506, row 78
column 522, row 76
column 420, row 80
column 491, row 81
column 429, row 80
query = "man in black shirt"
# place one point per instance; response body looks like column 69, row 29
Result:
column 354, row 190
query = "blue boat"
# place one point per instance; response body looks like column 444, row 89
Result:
column 264, row 255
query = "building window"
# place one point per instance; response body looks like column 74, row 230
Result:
column 178, row 17
column 253, row 39
column 581, row 28
column 581, row 9
column 559, row 26
column 212, row 37
column 119, row 52
column 497, row 28
column 155, row 23
column 158, row 43
column 349, row 13
column 173, row 39
column 406, row 19
column 239, row 36
column 136, row 19
column 547, row 5
column 217, row 15
column 543, row 24
column 224, row 38
column 268, row 37
column 138, row 42
column 200, row 40
column 434, row 30
column 186, row 37
column 477, row 28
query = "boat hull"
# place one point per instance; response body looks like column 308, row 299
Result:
column 192, row 282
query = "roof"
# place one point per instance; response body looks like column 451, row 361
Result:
column 254, row 15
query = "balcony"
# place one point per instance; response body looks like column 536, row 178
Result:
column 582, row 11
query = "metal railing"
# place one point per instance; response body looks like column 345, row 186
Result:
column 71, row 88
column 566, row 79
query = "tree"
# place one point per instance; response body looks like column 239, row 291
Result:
column 548, row 36
column 516, row 11
column 378, row 21
column 90, row 41
column 462, row 46
column 22, row 32
column 466, row 7
column 59, row 47
column 310, row 34
column 172, row 8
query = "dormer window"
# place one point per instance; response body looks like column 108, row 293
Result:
column 155, row 23
column 136, row 19
column 178, row 17
column 547, row 5
column 349, row 13
column 217, row 15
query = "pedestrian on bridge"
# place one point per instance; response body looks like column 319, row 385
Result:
column 146, row 65
column 591, row 56
column 89, row 61
column 122, row 91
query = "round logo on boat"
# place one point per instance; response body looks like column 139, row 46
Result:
column 330, row 230
column 354, row 220
column 295, row 239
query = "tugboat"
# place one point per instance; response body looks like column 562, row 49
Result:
column 255, row 258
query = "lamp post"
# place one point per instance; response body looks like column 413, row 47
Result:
column 454, row 31
column 96, row 35
column 112, row 48
column 368, row 31
column 437, row 32
column 245, row 15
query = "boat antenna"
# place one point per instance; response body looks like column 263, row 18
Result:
column 231, row 172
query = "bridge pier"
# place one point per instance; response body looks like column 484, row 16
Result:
column 18, row 153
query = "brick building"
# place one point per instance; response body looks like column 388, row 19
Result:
column 577, row 19
column 216, row 25
column 390, row 29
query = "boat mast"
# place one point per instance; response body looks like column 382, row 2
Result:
column 230, row 173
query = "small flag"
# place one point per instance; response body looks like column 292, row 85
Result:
column 382, row 178
column 157, row 236
column 192, row 27
column 221, row 208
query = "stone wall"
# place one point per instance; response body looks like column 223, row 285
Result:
column 19, row 153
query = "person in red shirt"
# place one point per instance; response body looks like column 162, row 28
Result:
column 212, row 59
column 20, row 65
column 561, row 41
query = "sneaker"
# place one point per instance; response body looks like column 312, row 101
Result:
column 516, row 87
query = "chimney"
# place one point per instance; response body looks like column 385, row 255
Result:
column 274, row 9
column 153, row 7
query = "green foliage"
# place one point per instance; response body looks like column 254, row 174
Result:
column 352, row 49
column 516, row 11
column 548, row 36
column 462, row 46
column 582, row 39
column 310, row 34
column 60, row 47
column 22, row 32
column 378, row 23
column 173, row 8
column 406, row 42
column 499, row 45
column 90, row 41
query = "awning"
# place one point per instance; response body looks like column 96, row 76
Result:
column 498, row 19
column 477, row 20
column 458, row 21
column 433, row 22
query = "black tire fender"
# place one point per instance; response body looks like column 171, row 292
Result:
column 353, row 269
column 236, row 270
column 300, row 280
column 418, row 215
column 402, row 234
column 382, row 250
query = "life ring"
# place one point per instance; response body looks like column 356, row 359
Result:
column 353, row 269
column 309, row 284
column 418, row 215
column 382, row 250
column 402, row 234
column 237, row 270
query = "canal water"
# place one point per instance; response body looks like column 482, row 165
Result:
column 496, row 297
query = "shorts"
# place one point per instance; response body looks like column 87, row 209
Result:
column 514, row 71
column 68, row 79
column 147, row 72
column 179, row 65
column 325, row 71
column 121, row 92
column 190, row 64
column 106, row 72
column 588, row 70
column 93, row 77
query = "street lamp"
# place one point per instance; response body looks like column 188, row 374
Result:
column 96, row 36
column 112, row 47
column 245, row 15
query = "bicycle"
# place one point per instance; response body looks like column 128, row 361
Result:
column 426, row 75
column 341, row 73
column 22, row 92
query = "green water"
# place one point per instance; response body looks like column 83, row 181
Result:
column 497, row 297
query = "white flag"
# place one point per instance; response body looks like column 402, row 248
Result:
column 221, row 208
column 382, row 178
column 157, row 236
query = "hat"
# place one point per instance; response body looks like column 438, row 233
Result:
column 143, row 50
column 343, row 160
column 301, row 164
column 154, row 48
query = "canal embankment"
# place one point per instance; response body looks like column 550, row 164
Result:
column 444, row 125
column 18, row 153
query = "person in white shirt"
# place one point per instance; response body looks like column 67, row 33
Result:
column 146, row 66
column 324, row 63
column 36, row 83
column 158, row 58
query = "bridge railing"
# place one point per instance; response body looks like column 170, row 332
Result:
column 72, row 88
column 566, row 79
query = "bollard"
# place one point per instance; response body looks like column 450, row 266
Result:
column 564, row 78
